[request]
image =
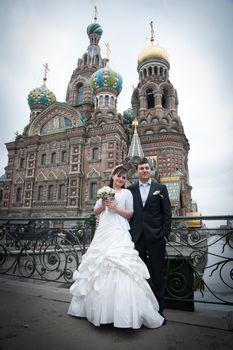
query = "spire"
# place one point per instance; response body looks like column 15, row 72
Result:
column 135, row 149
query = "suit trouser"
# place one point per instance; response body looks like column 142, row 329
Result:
column 153, row 254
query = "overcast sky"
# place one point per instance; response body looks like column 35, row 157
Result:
column 198, row 36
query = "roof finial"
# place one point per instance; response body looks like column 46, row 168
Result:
column 135, row 123
column 107, row 52
column 95, row 16
column 46, row 70
column 152, row 35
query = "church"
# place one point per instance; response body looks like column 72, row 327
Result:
column 67, row 151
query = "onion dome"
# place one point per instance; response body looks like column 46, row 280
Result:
column 94, row 28
column 153, row 50
column 106, row 78
column 41, row 96
column 128, row 116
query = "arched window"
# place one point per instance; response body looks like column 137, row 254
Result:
column 97, row 59
column 79, row 94
column 165, row 99
column 155, row 120
column 143, row 122
column 95, row 153
column 18, row 194
column 150, row 70
column 64, row 156
column 150, row 99
column 112, row 102
column 1, row 195
column 85, row 59
column 149, row 132
column 43, row 159
column 101, row 101
column 165, row 121
column 163, row 130
column 96, row 101
column 61, row 192
column 40, row 193
column 106, row 101
column 50, row 192
column 22, row 163
column 93, row 190
column 53, row 158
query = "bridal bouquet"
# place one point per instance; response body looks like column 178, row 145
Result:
column 106, row 192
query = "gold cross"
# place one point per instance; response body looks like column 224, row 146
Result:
column 95, row 16
column 152, row 32
column 135, row 123
column 46, row 70
column 107, row 51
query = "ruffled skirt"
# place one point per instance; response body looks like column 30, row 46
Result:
column 111, row 283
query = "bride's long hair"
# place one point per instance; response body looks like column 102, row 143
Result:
column 119, row 170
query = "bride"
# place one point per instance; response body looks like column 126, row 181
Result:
column 111, row 282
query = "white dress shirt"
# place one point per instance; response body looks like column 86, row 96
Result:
column 144, row 190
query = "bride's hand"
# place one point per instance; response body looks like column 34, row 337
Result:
column 110, row 204
column 104, row 202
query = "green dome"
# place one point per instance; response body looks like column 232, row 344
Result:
column 106, row 78
column 94, row 28
column 41, row 96
column 128, row 116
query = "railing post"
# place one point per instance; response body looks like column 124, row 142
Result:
column 92, row 221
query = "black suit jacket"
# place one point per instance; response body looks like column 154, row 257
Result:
column 154, row 219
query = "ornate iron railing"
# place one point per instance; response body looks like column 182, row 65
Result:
column 44, row 248
column 199, row 264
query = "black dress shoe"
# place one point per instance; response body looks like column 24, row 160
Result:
column 164, row 321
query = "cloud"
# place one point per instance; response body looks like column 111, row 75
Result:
column 197, row 36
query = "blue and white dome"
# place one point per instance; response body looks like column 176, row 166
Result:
column 106, row 78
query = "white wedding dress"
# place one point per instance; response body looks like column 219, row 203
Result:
column 111, row 282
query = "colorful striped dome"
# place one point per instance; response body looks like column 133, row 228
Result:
column 41, row 96
column 94, row 28
column 106, row 78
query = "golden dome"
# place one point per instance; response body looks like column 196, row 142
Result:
column 153, row 51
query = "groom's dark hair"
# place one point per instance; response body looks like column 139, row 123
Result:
column 143, row 161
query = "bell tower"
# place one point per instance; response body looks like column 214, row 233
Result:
column 79, row 94
column 155, row 104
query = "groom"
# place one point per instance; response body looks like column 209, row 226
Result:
column 150, row 225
